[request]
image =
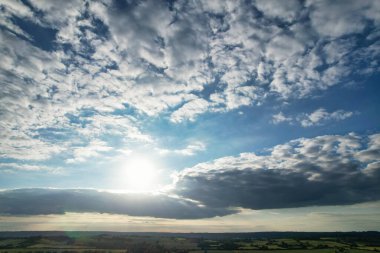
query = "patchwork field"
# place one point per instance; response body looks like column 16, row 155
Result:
column 191, row 243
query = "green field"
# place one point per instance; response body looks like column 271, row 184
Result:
column 279, row 251
column 110, row 243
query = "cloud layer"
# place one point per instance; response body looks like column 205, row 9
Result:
column 83, row 84
column 181, row 60
column 326, row 170
column 59, row 201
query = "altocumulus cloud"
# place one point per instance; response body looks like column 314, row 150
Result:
column 326, row 170
column 168, row 53
column 318, row 117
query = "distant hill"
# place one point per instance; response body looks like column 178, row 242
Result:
column 269, row 235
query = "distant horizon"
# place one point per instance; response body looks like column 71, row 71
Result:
column 188, row 233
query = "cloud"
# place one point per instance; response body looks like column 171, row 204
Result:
column 280, row 117
column 371, row 154
column 12, row 167
column 15, row 8
column 180, row 59
column 347, row 16
column 93, row 149
column 319, row 117
column 190, row 110
column 320, row 171
column 189, row 150
column 325, row 170
column 286, row 11
column 59, row 13
column 125, row 126
column 41, row 201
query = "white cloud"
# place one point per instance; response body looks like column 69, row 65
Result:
column 280, row 117
column 190, row 110
column 159, row 61
column 124, row 126
column 13, row 167
column 372, row 153
column 283, row 47
column 16, row 8
column 318, row 117
column 286, row 10
column 59, row 13
column 347, row 17
column 190, row 150
column 94, row 149
column 321, row 115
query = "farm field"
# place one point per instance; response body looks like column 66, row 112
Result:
column 191, row 243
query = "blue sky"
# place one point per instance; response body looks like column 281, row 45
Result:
column 212, row 108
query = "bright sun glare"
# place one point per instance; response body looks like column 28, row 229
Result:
column 140, row 174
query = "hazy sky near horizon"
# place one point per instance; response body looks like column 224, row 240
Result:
column 190, row 115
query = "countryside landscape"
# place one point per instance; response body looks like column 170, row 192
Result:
column 189, row 126
column 268, row 242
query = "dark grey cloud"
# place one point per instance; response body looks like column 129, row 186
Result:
column 40, row 201
column 326, row 170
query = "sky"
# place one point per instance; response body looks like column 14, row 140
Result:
column 190, row 116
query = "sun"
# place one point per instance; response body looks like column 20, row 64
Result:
column 140, row 174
